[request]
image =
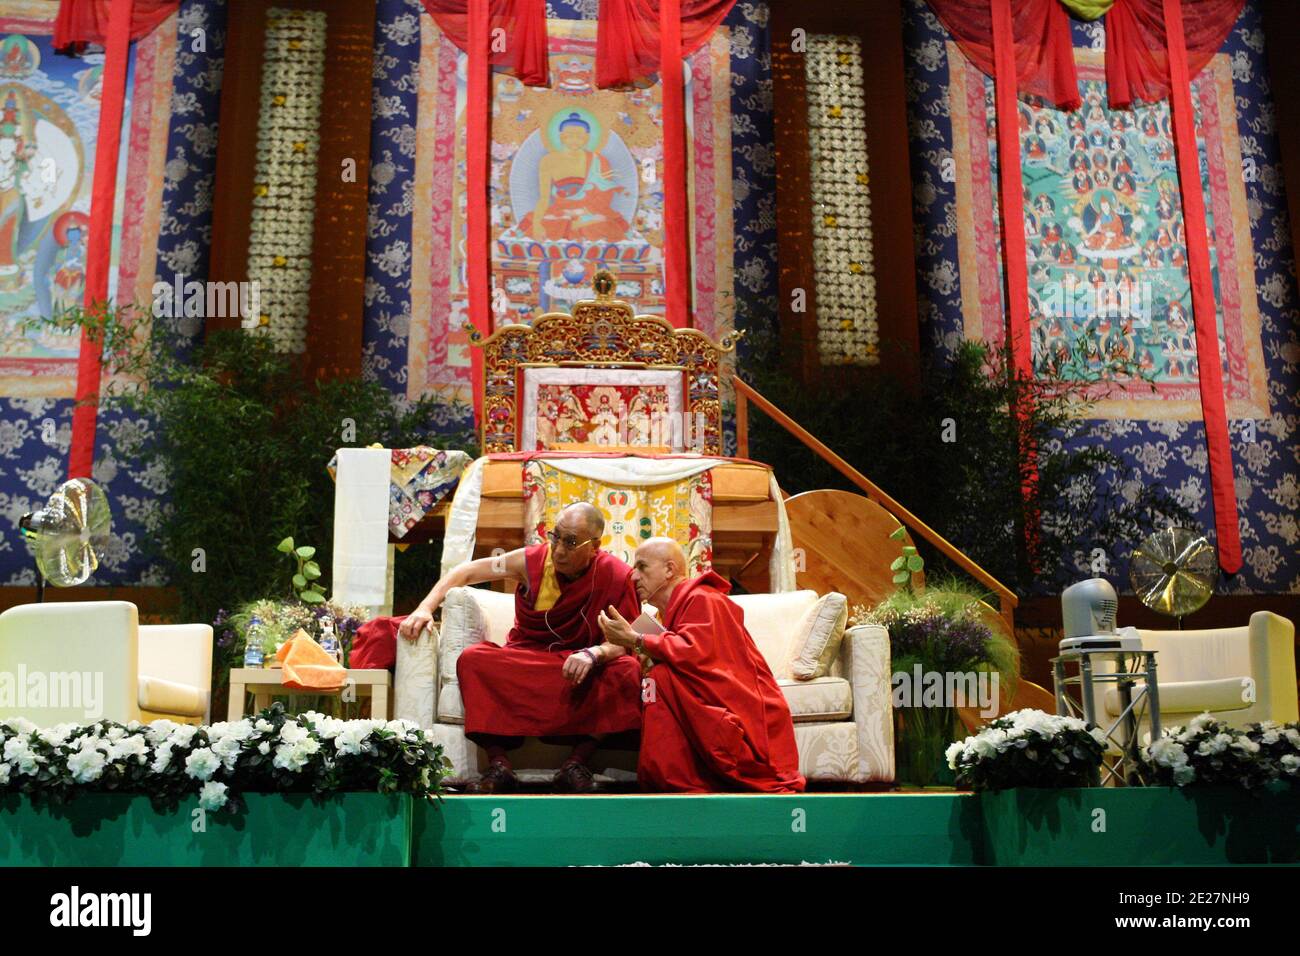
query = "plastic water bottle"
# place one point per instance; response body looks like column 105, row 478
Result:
column 253, row 646
column 329, row 642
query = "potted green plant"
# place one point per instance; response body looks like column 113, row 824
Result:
column 944, row 655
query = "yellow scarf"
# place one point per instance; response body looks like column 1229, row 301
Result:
column 548, row 590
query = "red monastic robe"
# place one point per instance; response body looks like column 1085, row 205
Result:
column 519, row 690
column 714, row 718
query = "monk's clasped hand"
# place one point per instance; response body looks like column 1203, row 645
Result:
column 616, row 628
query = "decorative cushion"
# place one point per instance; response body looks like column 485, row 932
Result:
column 469, row 616
column 819, row 636
column 773, row 621
column 169, row 697
column 821, row 698
column 1192, row 697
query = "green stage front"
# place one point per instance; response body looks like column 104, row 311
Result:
column 815, row 828
column 1094, row 827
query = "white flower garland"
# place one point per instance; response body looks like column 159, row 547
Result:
column 284, row 177
column 219, row 761
column 847, row 330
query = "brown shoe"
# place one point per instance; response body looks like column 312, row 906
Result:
column 497, row 778
column 574, row 777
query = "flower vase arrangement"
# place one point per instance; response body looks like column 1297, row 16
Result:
column 943, row 653
column 307, row 609
column 1029, row 748
column 1207, row 752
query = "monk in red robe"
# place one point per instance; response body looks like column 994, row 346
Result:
column 713, row 716
column 555, row 677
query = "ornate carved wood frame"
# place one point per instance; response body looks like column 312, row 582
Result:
column 601, row 333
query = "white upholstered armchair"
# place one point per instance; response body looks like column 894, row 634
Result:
column 841, row 709
column 93, row 660
column 1239, row 674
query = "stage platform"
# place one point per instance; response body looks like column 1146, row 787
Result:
column 1095, row 827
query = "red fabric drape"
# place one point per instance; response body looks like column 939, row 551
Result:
column 99, row 244
column 1014, row 254
column 677, row 231
column 628, row 42
column 521, row 43
column 1137, row 65
column 1044, row 51
column 478, row 132
column 87, row 21
column 1204, row 310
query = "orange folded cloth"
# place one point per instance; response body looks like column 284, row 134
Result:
column 307, row 666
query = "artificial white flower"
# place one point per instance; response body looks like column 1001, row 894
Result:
column 353, row 738
column 161, row 758
column 86, row 765
column 132, row 746
column 295, row 756
column 159, row 730
column 182, row 735
column 20, row 726
column 228, row 749
column 202, row 764
column 54, row 736
column 292, row 732
column 1214, row 745
column 213, row 795
column 952, row 753
column 18, row 753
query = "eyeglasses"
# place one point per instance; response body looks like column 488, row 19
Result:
column 569, row 541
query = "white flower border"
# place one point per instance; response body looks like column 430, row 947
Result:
column 847, row 329
column 284, row 177
column 79, row 755
column 991, row 741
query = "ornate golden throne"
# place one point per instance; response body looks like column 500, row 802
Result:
column 677, row 372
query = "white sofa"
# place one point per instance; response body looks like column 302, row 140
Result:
column 93, row 660
column 1239, row 674
column 842, row 721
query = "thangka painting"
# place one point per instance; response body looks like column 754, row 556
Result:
column 575, row 185
column 1105, row 237
column 49, row 115
column 627, row 407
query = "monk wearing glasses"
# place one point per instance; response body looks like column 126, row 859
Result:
column 556, row 677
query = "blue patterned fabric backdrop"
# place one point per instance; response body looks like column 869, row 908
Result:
column 1169, row 453
column 31, row 467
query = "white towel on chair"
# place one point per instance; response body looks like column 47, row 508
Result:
column 361, row 526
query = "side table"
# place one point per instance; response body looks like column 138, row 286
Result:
column 1130, row 671
column 267, row 682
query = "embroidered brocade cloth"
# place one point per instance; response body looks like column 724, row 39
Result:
column 421, row 478
column 681, row 510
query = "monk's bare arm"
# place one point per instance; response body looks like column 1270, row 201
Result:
column 504, row 567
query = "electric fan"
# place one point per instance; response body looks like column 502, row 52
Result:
column 1173, row 572
column 68, row 534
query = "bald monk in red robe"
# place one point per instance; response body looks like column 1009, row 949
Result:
column 555, row 677
column 713, row 717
